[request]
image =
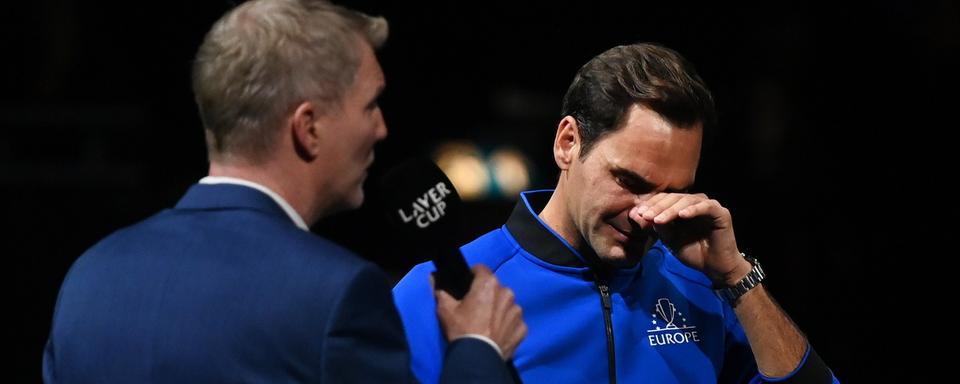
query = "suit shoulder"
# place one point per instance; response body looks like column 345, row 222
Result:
column 238, row 237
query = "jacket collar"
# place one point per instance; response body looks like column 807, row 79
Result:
column 538, row 239
column 229, row 196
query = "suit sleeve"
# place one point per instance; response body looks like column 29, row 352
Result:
column 364, row 341
column 470, row 360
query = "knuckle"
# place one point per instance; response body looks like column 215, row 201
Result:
column 487, row 280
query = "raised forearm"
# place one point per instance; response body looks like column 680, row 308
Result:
column 777, row 343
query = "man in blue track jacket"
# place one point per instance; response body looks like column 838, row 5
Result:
column 622, row 274
column 229, row 285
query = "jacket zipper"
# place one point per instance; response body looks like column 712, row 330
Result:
column 608, row 323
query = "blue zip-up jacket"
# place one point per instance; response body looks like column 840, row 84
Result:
column 657, row 322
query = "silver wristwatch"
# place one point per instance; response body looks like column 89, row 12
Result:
column 751, row 280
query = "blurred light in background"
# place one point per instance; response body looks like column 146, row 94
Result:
column 510, row 172
column 463, row 164
column 502, row 175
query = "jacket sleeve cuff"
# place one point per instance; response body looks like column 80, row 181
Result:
column 483, row 339
column 812, row 369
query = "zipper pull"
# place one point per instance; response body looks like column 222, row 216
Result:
column 605, row 296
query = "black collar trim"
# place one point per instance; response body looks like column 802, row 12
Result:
column 541, row 241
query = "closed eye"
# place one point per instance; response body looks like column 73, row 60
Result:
column 375, row 101
column 638, row 185
column 632, row 182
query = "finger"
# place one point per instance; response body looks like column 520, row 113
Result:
column 446, row 308
column 482, row 278
column 480, row 269
column 661, row 205
column 516, row 335
column 710, row 208
column 514, row 317
column 504, row 301
column 519, row 331
column 634, row 216
column 646, row 204
column 445, row 302
column 670, row 213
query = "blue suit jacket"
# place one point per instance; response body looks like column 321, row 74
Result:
column 225, row 288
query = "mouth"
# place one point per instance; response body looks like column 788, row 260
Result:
column 620, row 235
column 634, row 237
column 370, row 158
column 366, row 168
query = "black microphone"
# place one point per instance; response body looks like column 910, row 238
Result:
column 424, row 207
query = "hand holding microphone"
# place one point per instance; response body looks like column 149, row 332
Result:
column 488, row 309
column 423, row 206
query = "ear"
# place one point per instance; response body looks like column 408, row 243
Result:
column 306, row 125
column 566, row 145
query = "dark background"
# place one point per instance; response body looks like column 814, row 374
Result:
column 832, row 151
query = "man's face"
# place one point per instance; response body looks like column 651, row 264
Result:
column 645, row 156
column 356, row 127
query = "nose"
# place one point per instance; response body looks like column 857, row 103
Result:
column 381, row 126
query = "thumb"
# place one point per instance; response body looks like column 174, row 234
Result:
column 445, row 302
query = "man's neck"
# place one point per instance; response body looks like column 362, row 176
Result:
column 557, row 217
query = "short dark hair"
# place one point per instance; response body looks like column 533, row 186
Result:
column 648, row 74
